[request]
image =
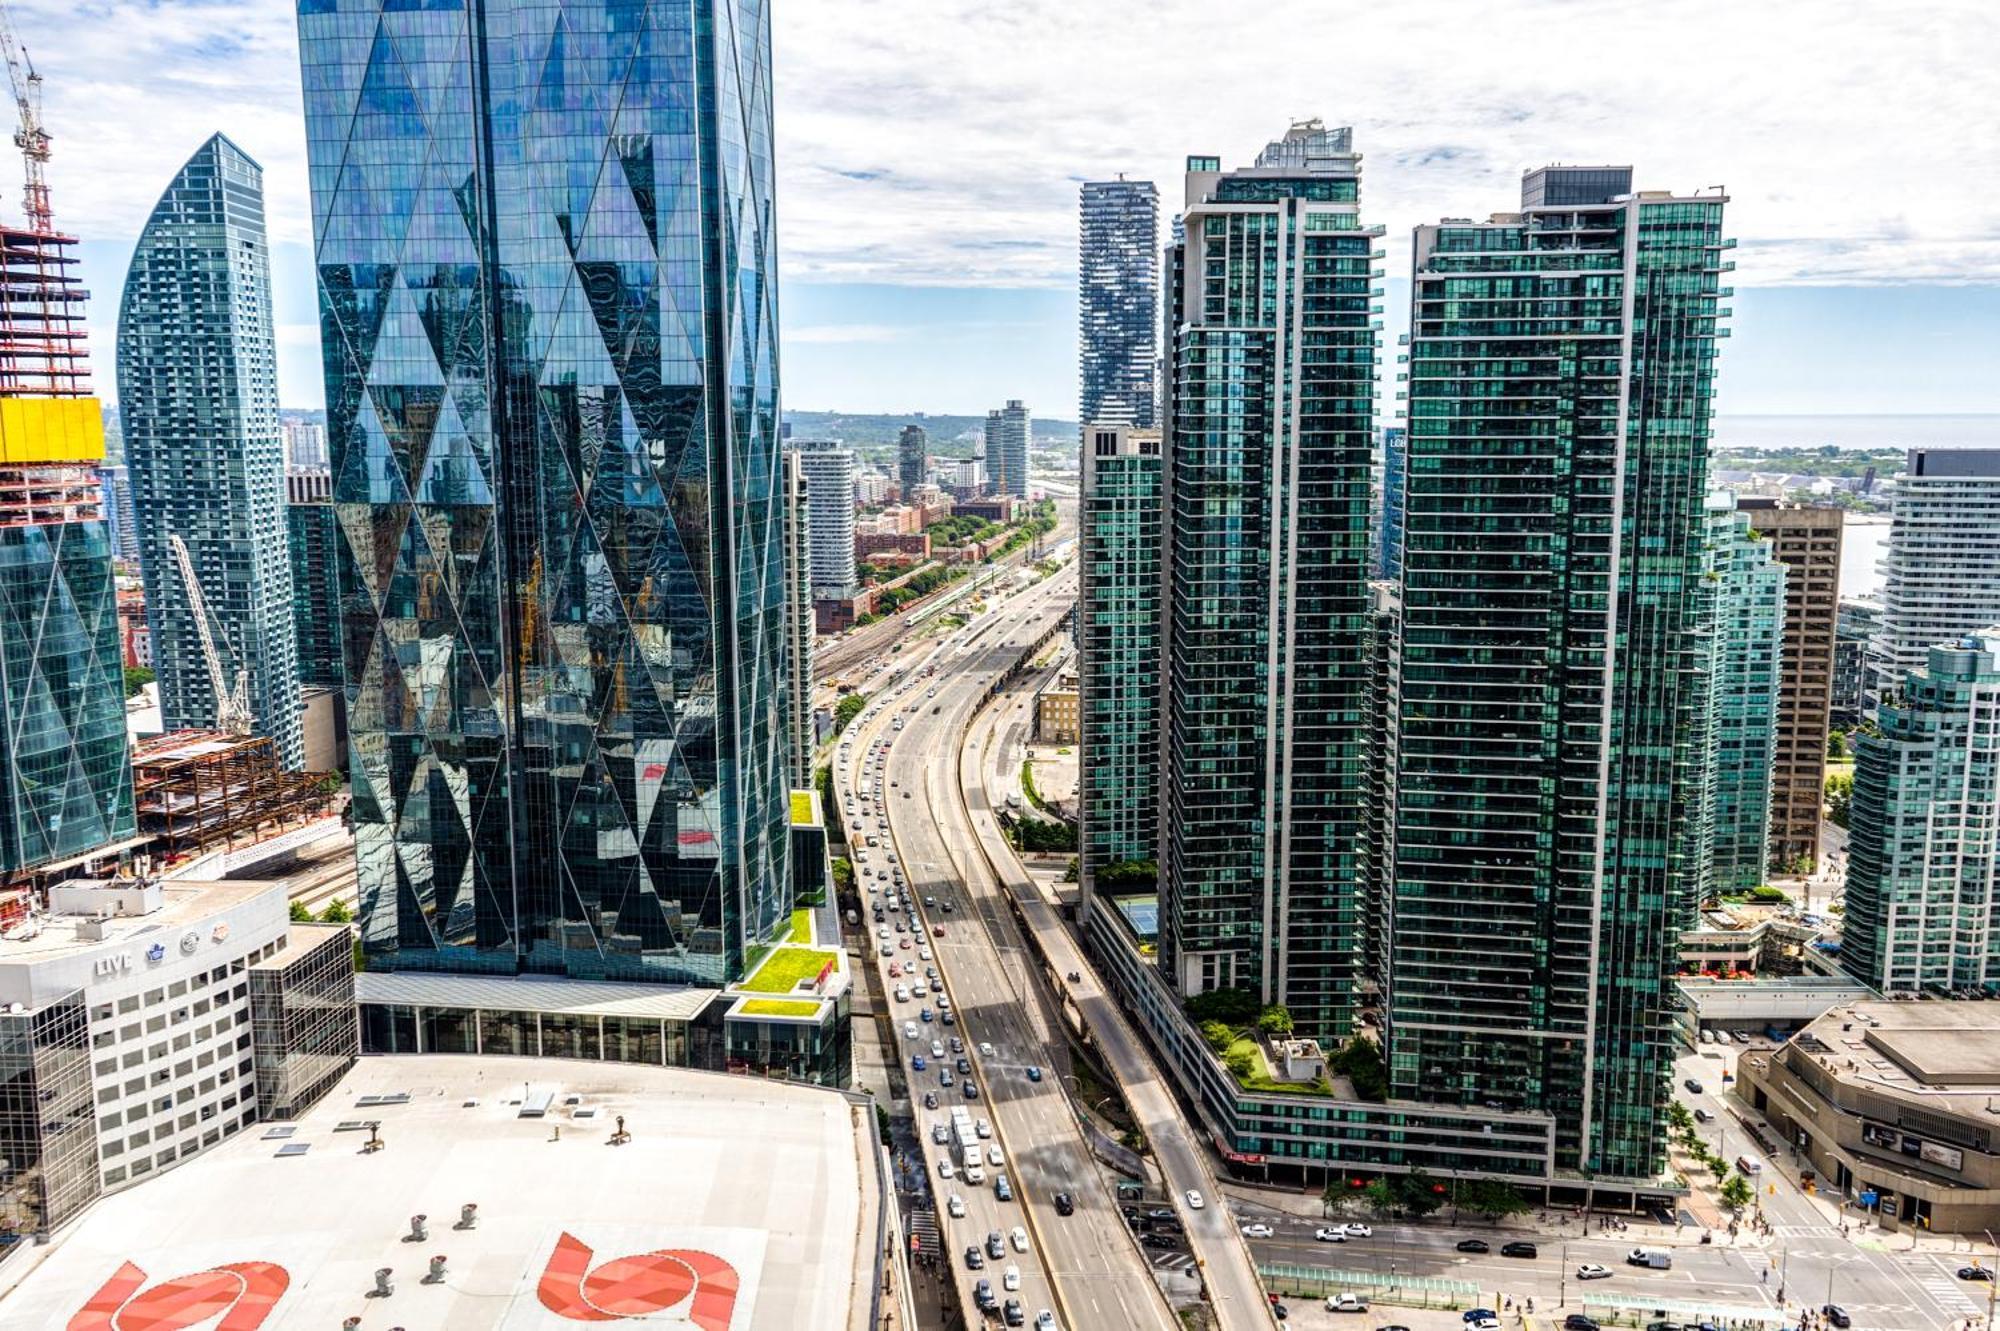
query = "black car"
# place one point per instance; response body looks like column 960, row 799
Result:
column 930, row 1099
column 1474, row 1245
column 1015, row 1314
column 1974, row 1273
column 1836, row 1315
column 1578, row 1322
column 1517, row 1249
column 1693, row 1086
column 982, row 1294
column 1065, row 1204
column 974, row 1259
column 1279, row 1311
column 1702, row 1116
column 1161, row 1242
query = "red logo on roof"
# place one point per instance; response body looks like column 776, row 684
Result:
column 243, row 1293
column 636, row 1286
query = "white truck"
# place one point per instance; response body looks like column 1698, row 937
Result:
column 1657, row 1259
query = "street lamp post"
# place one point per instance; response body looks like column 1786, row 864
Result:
column 1992, row 1286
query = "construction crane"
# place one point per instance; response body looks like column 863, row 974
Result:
column 30, row 138
column 232, row 705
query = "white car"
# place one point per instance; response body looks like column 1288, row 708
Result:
column 1020, row 1238
column 985, row 1049
column 902, row 993
column 1346, row 1303
column 1011, row 1278
column 1358, row 1231
column 1259, row 1231
column 909, row 1030
column 954, row 1207
column 1194, row 1201
column 1592, row 1271
column 1331, row 1233
column 994, row 1158
column 1045, row 1321
column 975, row 1173
column 945, row 1169
column 937, row 1049
column 982, row 1127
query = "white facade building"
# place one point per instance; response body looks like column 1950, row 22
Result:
column 1941, row 566
column 829, row 473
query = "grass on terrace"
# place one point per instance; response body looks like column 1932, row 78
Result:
column 784, row 968
column 802, row 808
column 1259, row 1077
column 802, row 930
column 778, row 1007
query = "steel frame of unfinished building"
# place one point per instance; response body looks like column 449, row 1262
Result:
column 200, row 790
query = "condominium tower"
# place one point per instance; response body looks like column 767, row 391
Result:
column 312, row 536
column 65, row 762
column 828, row 469
column 198, row 394
column 1561, row 359
column 1923, row 875
column 1743, row 617
column 545, row 238
column 1008, row 434
column 1806, row 538
column 912, row 460
column 1270, row 442
column 1118, row 648
column 799, row 618
column 1941, row 567
column 1117, row 301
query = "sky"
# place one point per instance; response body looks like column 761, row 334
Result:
column 929, row 153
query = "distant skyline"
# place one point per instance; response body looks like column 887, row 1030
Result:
column 927, row 200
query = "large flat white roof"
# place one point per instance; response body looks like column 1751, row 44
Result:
column 738, row 1204
column 583, row 998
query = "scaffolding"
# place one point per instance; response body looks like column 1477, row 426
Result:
column 201, row 790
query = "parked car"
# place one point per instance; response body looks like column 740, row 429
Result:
column 1346, row 1303
column 1517, row 1249
column 1578, row 1322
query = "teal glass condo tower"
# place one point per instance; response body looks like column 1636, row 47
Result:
column 1118, row 649
column 546, row 245
column 1743, row 608
column 1269, row 452
column 1547, row 786
column 1923, row 879
column 198, row 397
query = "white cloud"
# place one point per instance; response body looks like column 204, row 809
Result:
column 939, row 142
column 837, row 334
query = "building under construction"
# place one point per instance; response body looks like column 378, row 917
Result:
column 203, row 790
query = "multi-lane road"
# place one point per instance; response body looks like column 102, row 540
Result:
column 1083, row 1266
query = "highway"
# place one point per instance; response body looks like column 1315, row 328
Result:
column 1084, row 1267
column 989, row 758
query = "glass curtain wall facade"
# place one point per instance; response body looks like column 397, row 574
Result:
column 1549, row 772
column 1271, row 432
column 1744, row 586
column 48, row 1117
column 546, row 249
column 198, row 394
column 1117, row 301
column 1923, row 877
column 912, row 459
column 1118, row 649
column 312, row 539
column 1008, row 433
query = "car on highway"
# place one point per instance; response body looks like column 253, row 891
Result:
column 917, row 1063
column 1331, row 1233
column 909, row 1030
column 982, row 1294
column 1065, row 1204
column 1013, row 1314
column 1019, row 1237
column 940, row 1133
column 974, row 1259
column 1034, row 1073
column 996, row 1246
column 1518, row 1249
column 1835, row 1315
column 1592, row 1271
column 1045, row 1321
column 930, row 1099
column 937, row 1049
column 1474, row 1245
column 971, row 1088
column 1259, row 1230
column 954, row 1206
column 1002, row 1189
column 945, row 1079
column 975, row 1173
column 985, row 1049
column 1194, row 1201
column 927, row 1015
column 982, row 1127
column 994, row 1158
column 1011, row 1278
column 1974, row 1273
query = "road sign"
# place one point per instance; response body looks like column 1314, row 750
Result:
column 1870, row 1198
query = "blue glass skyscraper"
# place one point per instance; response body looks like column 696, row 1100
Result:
column 545, row 241
column 198, row 399
column 1117, row 301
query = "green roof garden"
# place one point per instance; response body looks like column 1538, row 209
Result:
column 777, row 1007
column 785, row 967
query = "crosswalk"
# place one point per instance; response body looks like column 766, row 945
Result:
column 1805, row 1231
column 1942, row 1286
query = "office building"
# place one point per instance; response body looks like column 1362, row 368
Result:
column 1009, row 431
column 146, row 1023
column 1545, row 783
column 115, row 484
column 312, row 540
column 552, row 389
column 198, row 394
column 1118, row 628
column 1806, row 539
column 829, row 472
column 799, row 619
column 1745, row 595
column 1923, row 869
column 913, row 461
column 1117, row 301
column 1267, row 601
column 1854, row 628
column 305, row 445
column 1389, row 513
column 1941, row 566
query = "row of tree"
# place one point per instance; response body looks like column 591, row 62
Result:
column 1416, row 1195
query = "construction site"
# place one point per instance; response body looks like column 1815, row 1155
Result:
column 199, row 791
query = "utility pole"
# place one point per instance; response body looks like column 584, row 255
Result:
column 1992, row 1286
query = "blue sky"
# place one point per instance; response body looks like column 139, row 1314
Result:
column 929, row 153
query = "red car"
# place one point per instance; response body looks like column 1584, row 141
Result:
column 937, row 931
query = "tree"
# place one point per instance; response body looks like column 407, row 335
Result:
column 136, row 678
column 1839, row 797
column 1128, row 876
column 1737, row 1192
column 843, row 874
column 337, row 912
column 1238, row 1007
column 1419, row 1194
column 1678, row 1116
column 1836, row 746
column 1360, row 1061
column 1380, row 1196
column 1492, row 1199
column 1241, row 1063
column 1070, row 871
column 301, row 913
column 1218, row 1034
column 1275, row 1021
column 847, row 709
